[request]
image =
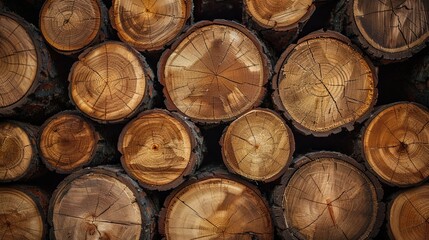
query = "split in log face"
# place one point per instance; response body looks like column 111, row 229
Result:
column 110, row 82
column 216, row 208
column 324, row 84
column 395, row 144
column 159, row 148
column 409, row 214
column 70, row 25
column 258, row 145
column 20, row 216
column 215, row 72
column 279, row 15
column 149, row 25
column 19, row 62
column 16, row 151
column 392, row 29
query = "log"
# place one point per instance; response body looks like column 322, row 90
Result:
column 69, row 26
column 324, row 84
column 408, row 214
column 100, row 203
column 214, row 72
column 19, row 158
column 395, row 144
column 327, row 195
column 150, row 25
column 214, row 9
column 278, row 21
column 68, row 142
column 419, row 79
column 389, row 31
column 111, row 82
column 28, row 85
column 258, row 145
column 160, row 149
column 215, row 205
column 23, row 212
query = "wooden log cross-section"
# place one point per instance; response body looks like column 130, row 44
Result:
column 214, row 72
column 324, row 84
column 327, row 195
column 68, row 142
column 258, row 145
column 101, row 203
column 159, row 149
column 111, row 82
column 395, row 143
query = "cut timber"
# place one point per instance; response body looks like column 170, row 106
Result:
column 323, row 84
column 159, row 149
column 22, row 213
column 110, row 82
column 258, row 145
column 18, row 151
column 408, row 214
column 395, row 143
column 70, row 26
column 101, row 203
column 214, row 205
column 214, row 72
column 149, row 25
column 68, row 142
column 327, row 196
column 27, row 85
column 388, row 30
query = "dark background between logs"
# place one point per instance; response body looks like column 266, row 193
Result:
column 393, row 86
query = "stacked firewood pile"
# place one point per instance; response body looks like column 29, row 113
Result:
column 214, row 119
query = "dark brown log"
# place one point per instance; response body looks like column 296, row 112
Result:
column 324, row 84
column 111, row 82
column 215, row 205
column 160, row 149
column 212, row 9
column 19, row 158
column 70, row 26
column 23, row 212
column 258, row 145
column 101, row 203
column 419, row 79
column 327, row 195
column 214, row 72
column 68, row 142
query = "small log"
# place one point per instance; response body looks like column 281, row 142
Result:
column 214, row 72
column 23, row 212
column 111, row 82
column 394, row 143
column 327, row 195
column 408, row 214
column 215, row 205
column 68, row 142
column 388, row 30
column 150, row 25
column 28, row 87
column 213, row 9
column 101, row 203
column 70, row 26
column 160, row 149
column 278, row 21
column 419, row 79
column 18, row 152
column 324, row 84
column 258, row 145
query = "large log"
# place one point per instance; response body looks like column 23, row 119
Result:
column 214, row 72
column 395, row 143
column 111, row 82
column 258, row 145
column 101, row 203
column 215, row 205
column 327, row 195
column 160, row 149
column 324, row 84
